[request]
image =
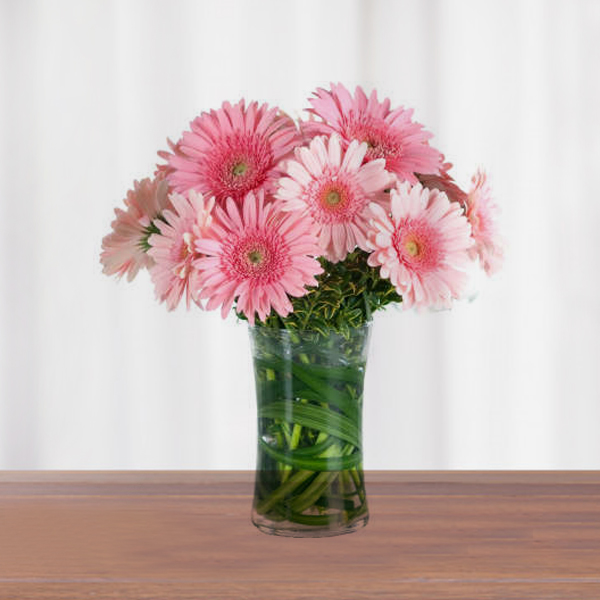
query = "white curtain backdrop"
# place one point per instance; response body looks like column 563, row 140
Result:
column 97, row 375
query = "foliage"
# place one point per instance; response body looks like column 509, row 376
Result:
column 347, row 294
column 148, row 231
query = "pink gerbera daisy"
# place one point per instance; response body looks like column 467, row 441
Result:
column 389, row 134
column 175, row 150
column 482, row 213
column 232, row 151
column 124, row 249
column 174, row 250
column 335, row 188
column 259, row 257
column 422, row 247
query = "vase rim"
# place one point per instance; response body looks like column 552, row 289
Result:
column 365, row 326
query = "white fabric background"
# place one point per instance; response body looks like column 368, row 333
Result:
column 95, row 374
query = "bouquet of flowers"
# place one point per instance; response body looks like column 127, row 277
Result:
column 306, row 229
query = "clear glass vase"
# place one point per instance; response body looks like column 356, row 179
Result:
column 309, row 391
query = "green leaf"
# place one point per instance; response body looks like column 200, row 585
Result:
column 347, row 295
column 315, row 417
column 324, row 464
column 331, row 374
column 319, row 390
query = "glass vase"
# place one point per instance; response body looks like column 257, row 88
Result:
column 309, row 391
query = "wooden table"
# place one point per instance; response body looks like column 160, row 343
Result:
column 174, row 535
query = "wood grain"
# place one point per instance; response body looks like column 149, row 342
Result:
column 180, row 535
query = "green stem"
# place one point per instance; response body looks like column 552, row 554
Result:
column 283, row 490
column 314, row 492
column 326, row 462
column 358, row 484
column 293, row 444
column 322, row 481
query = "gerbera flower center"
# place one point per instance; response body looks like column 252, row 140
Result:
column 239, row 169
column 260, row 256
column 416, row 243
column 333, row 198
column 239, row 165
column 336, row 200
column 255, row 257
column 379, row 142
column 412, row 247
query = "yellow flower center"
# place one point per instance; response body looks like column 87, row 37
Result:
column 255, row 257
column 239, row 169
column 412, row 247
column 333, row 198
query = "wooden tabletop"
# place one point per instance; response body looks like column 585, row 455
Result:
column 175, row 535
